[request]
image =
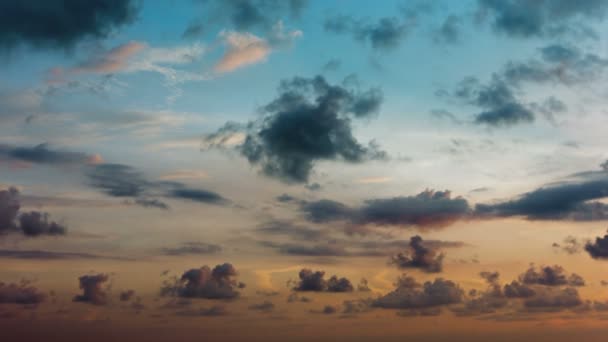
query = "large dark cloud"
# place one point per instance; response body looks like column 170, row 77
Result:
column 119, row 180
column 525, row 19
column 42, row 154
column 310, row 121
column 419, row 256
column 409, row 294
column 21, row 293
column 598, row 249
column 32, row 224
column 60, row 24
column 315, row 281
column 428, row 209
column 500, row 107
column 570, row 199
column 219, row 283
column 93, row 289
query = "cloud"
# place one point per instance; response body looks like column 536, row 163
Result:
column 419, row 256
column 315, row 282
column 598, row 249
column 212, row 311
column 250, row 14
column 126, row 295
column 411, row 295
column 310, row 121
column 219, row 283
column 569, row 245
column 428, row 209
column 496, row 99
column 266, row 306
column 61, row 24
column 93, row 291
column 290, row 229
column 384, row 34
column 569, row 199
column 50, row 255
column 119, row 180
column 242, row 49
column 193, row 248
column 42, row 154
column 554, row 299
column 22, row 293
column 112, row 61
column 449, row 32
column 544, row 19
column 550, row 276
column 31, row 224
column 561, row 64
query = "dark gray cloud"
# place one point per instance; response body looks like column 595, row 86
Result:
column 21, row 293
column 265, row 306
column 570, row 245
column 193, row 248
column 428, row 209
column 558, row 64
column 31, row 224
column 60, row 24
column 290, row 229
column 554, row 299
column 500, row 107
column 48, row 255
column 518, row 290
column 219, row 283
column 245, row 15
column 384, row 34
column 212, row 311
column 526, row 19
column 598, row 249
column 570, row 199
column 42, row 154
column 93, row 290
column 450, row 30
column 315, row 281
column 550, row 276
column 126, row 295
column 419, row 256
column 411, row 295
column 310, row 121
column 119, row 180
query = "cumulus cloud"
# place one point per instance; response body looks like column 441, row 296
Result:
column 409, row 294
column 574, row 198
column 550, row 276
column 500, row 107
column 545, row 19
column 20, row 293
column 219, row 283
column 118, row 180
column 419, row 256
column 315, row 281
column 31, row 224
column 60, row 24
column 93, row 290
column 428, row 209
column 309, row 122
column 598, row 249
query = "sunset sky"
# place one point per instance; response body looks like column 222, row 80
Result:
column 186, row 170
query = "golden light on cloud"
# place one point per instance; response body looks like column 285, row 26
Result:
column 374, row 180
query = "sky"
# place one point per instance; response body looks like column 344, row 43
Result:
column 303, row 169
